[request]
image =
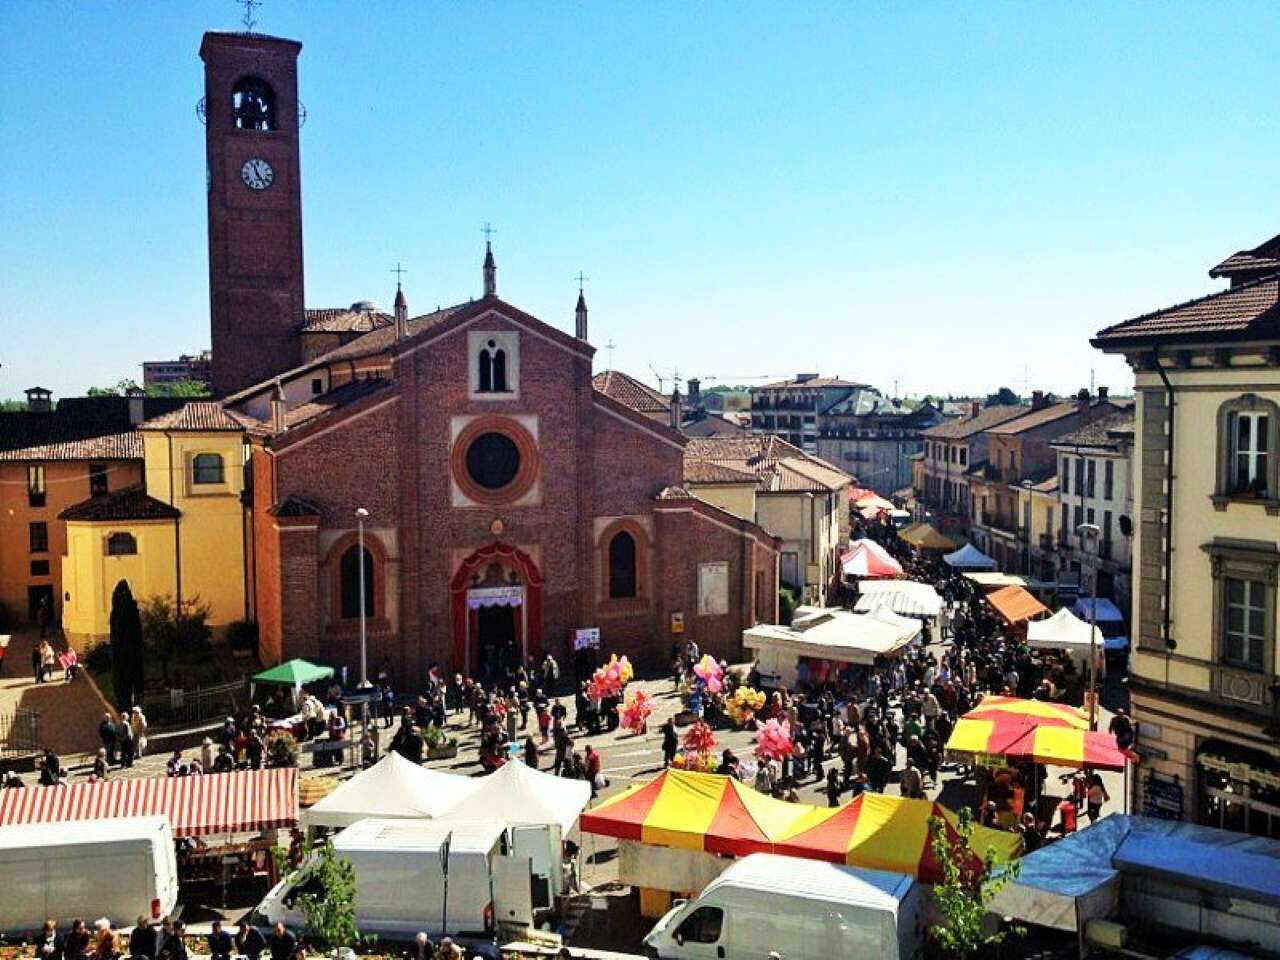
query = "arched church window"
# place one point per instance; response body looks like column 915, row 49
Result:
column 492, row 361
column 499, row 371
column 349, row 583
column 622, row 566
column 486, row 371
column 253, row 104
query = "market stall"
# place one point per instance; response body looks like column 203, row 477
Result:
column 969, row 557
column 1005, row 729
column 927, row 537
column 909, row 598
column 1015, row 606
column 1064, row 631
column 292, row 674
column 393, row 788
column 866, row 558
column 824, row 637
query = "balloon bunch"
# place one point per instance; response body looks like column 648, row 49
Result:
column 773, row 740
column 635, row 713
column 710, row 673
column 699, row 738
column 695, row 762
column 609, row 679
column 744, row 705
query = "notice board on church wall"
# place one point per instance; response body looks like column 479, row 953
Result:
column 713, row 588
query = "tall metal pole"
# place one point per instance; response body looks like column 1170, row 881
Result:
column 361, row 515
column 1090, row 532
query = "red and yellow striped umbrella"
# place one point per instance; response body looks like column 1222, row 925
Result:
column 1050, row 733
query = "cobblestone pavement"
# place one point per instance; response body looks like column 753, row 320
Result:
column 69, row 712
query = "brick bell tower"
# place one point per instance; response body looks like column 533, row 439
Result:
column 251, row 118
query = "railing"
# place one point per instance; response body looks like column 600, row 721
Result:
column 198, row 705
column 20, row 732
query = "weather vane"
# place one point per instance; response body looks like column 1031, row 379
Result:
column 248, row 19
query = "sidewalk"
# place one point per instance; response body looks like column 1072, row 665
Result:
column 69, row 712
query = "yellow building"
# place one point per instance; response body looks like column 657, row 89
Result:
column 180, row 534
column 795, row 496
column 1207, row 548
column 1037, row 506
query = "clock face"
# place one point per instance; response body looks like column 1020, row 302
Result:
column 256, row 173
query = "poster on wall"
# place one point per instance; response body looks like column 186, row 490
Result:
column 713, row 588
column 587, row 638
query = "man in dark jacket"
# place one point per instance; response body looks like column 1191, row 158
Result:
column 107, row 733
column 221, row 946
column 249, row 941
column 142, row 942
column 281, row 943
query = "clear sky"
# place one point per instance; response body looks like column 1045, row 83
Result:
column 953, row 195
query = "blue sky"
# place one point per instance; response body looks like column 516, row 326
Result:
column 951, row 195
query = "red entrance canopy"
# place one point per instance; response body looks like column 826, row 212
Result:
column 240, row 802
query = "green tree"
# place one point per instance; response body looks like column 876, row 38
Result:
column 127, row 651
column 1003, row 397
column 969, row 883
column 329, row 902
column 176, row 631
column 179, row 388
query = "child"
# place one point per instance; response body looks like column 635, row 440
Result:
column 544, row 720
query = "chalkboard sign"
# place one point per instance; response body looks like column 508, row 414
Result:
column 1162, row 798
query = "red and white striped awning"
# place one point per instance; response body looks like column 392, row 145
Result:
column 242, row 801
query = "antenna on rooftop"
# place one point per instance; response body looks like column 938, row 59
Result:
column 661, row 378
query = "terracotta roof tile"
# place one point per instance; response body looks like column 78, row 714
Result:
column 353, row 319
column 630, row 391
column 1248, row 311
column 116, row 446
column 776, row 465
column 1265, row 257
column 1101, row 432
column 129, row 503
column 198, row 415
column 966, row 427
column 711, row 471
column 1036, row 418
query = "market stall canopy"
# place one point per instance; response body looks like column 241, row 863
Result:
column 872, row 500
column 393, row 788
column 907, row 597
column 1016, row 605
column 1009, row 728
column 925, row 536
column 703, row 811
column 1108, row 612
column 294, row 673
column 1063, row 631
column 832, row 634
column 969, row 557
column 516, row 794
column 866, row 558
column 244, row 801
column 993, row 580
column 1076, row 879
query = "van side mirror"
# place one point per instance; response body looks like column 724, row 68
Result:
column 679, row 938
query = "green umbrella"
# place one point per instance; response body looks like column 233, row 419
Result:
column 295, row 673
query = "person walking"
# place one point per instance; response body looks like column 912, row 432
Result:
column 560, row 736
column 138, row 720
column 1095, row 797
column 833, row 787
column 670, row 742
column 108, row 734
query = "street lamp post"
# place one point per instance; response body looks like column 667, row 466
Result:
column 361, row 515
column 1090, row 532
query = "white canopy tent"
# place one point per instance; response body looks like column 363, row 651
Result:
column 1063, row 631
column 866, row 558
column 907, row 597
column 393, row 788
column 834, row 635
column 517, row 794
column 969, row 557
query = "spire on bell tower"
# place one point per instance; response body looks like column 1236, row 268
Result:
column 580, row 313
column 490, row 268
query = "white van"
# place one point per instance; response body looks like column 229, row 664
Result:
column 117, row 868
column 399, row 873
column 803, row 909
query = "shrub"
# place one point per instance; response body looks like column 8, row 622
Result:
column 174, row 631
column 243, row 635
column 282, row 749
column 788, row 600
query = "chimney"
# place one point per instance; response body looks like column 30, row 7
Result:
column 580, row 317
column 490, row 272
column 39, row 400
column 676, row 416
column 695, row 393
column 402, row 315
column 137, row 411
column 1082, row 400
column 1102, row 393
column 975, row 408
column 1038, row 400
column 278, row 409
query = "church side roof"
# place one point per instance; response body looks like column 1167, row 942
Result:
column 129, row 503
column 357, row 318
column 627, row 389
column 196, row 416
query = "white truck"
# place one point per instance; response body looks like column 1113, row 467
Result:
column 400, row 881
column 117, row 868
column 803, row 909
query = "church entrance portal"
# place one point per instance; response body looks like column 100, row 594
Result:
column 496, row 609
column 497, row 648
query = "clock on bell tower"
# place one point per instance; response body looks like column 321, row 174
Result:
column 251, row 115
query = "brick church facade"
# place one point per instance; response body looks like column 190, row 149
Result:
column 510, row 504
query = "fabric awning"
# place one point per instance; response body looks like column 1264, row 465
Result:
column 1063, row 631
column 835, row 635
column 517, row 794
column 866, row 558
column 907, row 597
column 1108, row 612
column 1016, row 605
column 969, row 557
column 1050, row 733
column 991, row 579
column 294, row 673
column 243, row 801
column 925, row 536
column 393, row 788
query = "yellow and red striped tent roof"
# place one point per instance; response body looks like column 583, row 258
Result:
column 1050, row 733
column 703, row 811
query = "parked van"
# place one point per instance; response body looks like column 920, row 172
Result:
column 803, row 909
column 400, row 890
column 117, row 868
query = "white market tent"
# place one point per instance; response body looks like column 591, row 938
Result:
column 866, row 558
column 832, row 634
column 969, row 557
column 1063, row 631
column 393, row 788
column 907, row 597
column 518, row 795
column 995, row 580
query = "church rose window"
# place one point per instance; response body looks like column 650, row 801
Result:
column 493, row 460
